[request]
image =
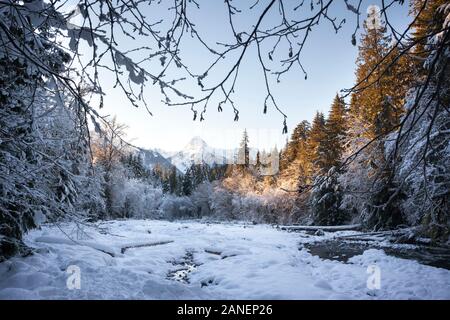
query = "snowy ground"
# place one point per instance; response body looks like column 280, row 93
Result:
column 143, row 260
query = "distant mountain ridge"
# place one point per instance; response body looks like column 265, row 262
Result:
column 198, row 151
column 195, row 151
column 152, row 159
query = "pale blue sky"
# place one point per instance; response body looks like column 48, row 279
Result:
column 329, row 59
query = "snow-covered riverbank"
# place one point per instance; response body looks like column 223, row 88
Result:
column 190, row 260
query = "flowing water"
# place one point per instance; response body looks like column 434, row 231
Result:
column 342, row 250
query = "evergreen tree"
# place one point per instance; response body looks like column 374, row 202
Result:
column 368, row 99
column 258, row 160
column 381, row 84
column 244, row 151
column 429, row 22
column 316, row 143
column 173, row 180
column 187, row 183
column 376, row 106
column 165, row 185
column 217, row 172
column 298, row 170
column 135, row 164
column 326, row 198
column 198, row 174
column 297, row 142
column 335, row 129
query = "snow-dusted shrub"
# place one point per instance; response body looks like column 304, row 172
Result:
column 115, row 192
column 221, row 203
column 364, row 186
column 272, row 206
column 279, row 207
column 141, row 200
column 240, row 180
column 201, row 199
column 247, row 207
column 131, row 197
column 326, row 198
column 174, row 207
column 91, row 199
column 357, row 178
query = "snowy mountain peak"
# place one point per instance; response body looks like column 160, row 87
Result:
column 197, row 151
column 196, row 143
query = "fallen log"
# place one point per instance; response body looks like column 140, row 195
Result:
column 152, row 244
column 363, row 235
column 323, row 228
column 221, row 254
column 217, row 253
column 69, row 241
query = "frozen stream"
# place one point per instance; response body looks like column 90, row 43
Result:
column 146, row 259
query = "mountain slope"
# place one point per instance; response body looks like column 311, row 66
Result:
column 152, row 158
column 198, row 151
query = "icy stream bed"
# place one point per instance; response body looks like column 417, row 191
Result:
column 146, row 259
